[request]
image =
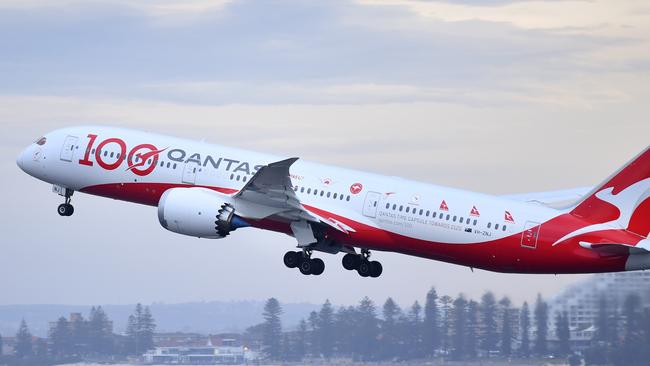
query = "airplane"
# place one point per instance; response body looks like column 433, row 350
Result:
column 210, row 191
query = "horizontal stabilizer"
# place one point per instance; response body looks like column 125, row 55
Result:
column 617, row 248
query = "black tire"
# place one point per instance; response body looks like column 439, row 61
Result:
column 375, row 269
column 292, row 259
column 65, row 209
column 350, row 261
column 317, row 266
column 364, row 269
column 306, row 267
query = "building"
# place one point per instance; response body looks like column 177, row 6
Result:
column 581, row 302
column 201, row 355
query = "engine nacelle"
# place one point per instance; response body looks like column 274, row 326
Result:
column 198, row 212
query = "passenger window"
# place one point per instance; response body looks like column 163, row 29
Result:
column 496, row 227
column 328, row 194
column 174, row 165
column 315, row 192
column 232, row 176
column 421, row 212
column 461, row 220
column 475, row 221
column 394, row 207
column 243, row 179
column 308, row 190
column 118, row 156
column 407, row 209
column 105, row 153
column 400, row 208
column 448, row 217
column 335, row 195
column 489, row 225
column 441, row 215
column 428, row 212
column 322, row 193
column 503, row 228
column 348, row 199
column 341, row 197
column 454, row 219
column 169, row 164
column 302, row 189
column 93, row 151
column 387, row 206
column 162, row 164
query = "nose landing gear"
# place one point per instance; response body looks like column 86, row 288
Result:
column 66, row 209
column 362, row 264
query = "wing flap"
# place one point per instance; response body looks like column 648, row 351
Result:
column 616, row 248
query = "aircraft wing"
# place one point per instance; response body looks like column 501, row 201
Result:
column 270, row 192
column 552, row 198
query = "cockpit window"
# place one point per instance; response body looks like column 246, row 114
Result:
column 41, row 141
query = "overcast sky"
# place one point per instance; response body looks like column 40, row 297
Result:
column 494, row 96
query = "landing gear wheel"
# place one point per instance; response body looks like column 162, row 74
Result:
column 292, row 259
column 364, row 268
column 351, row 261
column 375, row 269
column 65, row 209
column 306, row 267
column 317, row 266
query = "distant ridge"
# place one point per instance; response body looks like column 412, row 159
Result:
column 201, row 317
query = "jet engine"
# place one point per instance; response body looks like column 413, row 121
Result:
column 198, row 212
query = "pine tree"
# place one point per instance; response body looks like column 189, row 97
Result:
column 524, row 325
column 147, row 327
column 61, row 338
column 367, row 330
column 445, row 328
column 100, row 331
column 314, row 346
column 1, row 345
column 132, row 336
column 506, row 327
column 431, row 329
column 415, row 323
column 541, row 323
column 23, row 348
column 390, row 337
column 460, row 327
column 471, row 342
column 489, row 337
column 301, row 341
column 272, row 329
column 326, row 330
column 563, row 334
column 345, row 324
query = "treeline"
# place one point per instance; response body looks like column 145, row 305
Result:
column 458, row 329
column 80, row 338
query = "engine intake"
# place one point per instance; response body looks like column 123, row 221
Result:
column 198, row 212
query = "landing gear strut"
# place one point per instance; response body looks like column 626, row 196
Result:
column 362, row 264
column 66, row 209
column 304, row 262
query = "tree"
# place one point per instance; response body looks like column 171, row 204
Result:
column 431, row 331
column 602, row 321
column 366, row 330
column 446, row 302
column 488, row 319
column 345, row 323
column 563, row 334
column 630, row 351
column 132, row 335
column 147, row 327
column 390, row 337
column 471, row 341
column 460, row 327
column 301, row 340
column 326, row 330
column 23, row 348
column 415, row 324
column 99, row 331
column 313, row 337
column 60, row 338
column 272, row 329
column 1, row 345
column 506, row 327
column 524, row 325
column 541, row 323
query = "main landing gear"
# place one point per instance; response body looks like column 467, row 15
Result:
column 304, row 262
column 362, row 264
column 66, row 209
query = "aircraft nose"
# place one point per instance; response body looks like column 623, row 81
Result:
column 20, row 160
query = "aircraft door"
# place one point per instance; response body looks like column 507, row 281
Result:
column 371, row 203
column 189, row 172
column 67, row 150
column 530, row 234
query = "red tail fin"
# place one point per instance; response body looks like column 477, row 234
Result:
column 623, row 197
